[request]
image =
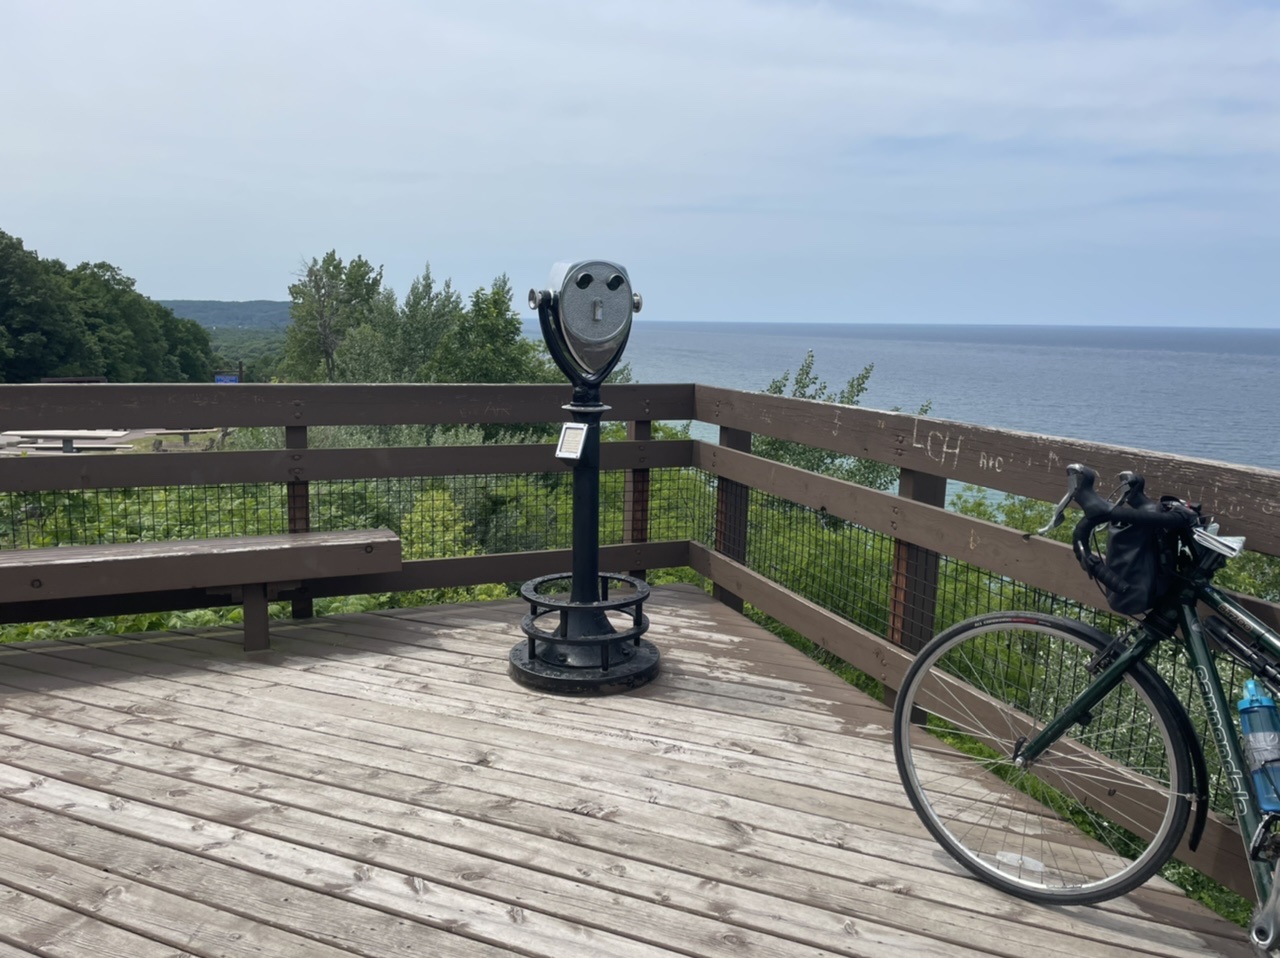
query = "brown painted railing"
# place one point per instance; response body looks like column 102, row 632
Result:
column 913, row 523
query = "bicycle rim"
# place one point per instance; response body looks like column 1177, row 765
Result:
column 1094, row 816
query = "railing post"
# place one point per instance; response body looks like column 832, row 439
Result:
column 299, row 504
column 635, row 494
column 732, row 502
column 915, row 570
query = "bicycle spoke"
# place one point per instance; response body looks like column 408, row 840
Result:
column 1093, row 815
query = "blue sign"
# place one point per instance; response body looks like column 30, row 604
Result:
column 226, row 378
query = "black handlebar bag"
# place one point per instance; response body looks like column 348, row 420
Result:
column 1143, row 557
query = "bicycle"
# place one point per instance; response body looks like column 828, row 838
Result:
column 1013, row 728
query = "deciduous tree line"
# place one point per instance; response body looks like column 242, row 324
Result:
column 348, row 326
column 89, row 321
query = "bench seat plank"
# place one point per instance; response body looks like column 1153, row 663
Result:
column 120, row 568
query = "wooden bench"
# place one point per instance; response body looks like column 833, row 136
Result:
column 248, row 569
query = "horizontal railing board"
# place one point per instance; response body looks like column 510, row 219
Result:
column 285, row 465
column 418, row 574
column 1245, row 499
column 1038, row 562
column 1218, row 853
column 1032, row 560
column 182, row 406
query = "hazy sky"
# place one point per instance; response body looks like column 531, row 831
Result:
column 1079, row 161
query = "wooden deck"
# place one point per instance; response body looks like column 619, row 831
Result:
column 377, row 786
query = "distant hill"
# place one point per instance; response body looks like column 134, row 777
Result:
column 215, row 313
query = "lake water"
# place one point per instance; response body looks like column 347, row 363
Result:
column 1198, row 392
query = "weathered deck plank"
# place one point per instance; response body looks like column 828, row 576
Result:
column 49, row 929
column 376, row 785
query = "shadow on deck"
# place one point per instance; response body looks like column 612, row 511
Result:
column 377, row 786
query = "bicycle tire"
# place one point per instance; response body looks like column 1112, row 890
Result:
column 1125, row 776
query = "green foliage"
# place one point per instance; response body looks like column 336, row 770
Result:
column 1253, row 574
column 41, row 331
column 89, row 321
column 1016, row 512
column 487, row 345
column 841, row 566
column 865, row 472
column 329, row 299
column 260, row 350
column 427, row 317
column 437, row 527
column 348, row 328
column 69, row 517
column 1209, row 893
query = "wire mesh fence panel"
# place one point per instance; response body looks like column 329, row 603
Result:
column 454, row 516
column 842, row 567
column 682, row 505
column 847, row 569
column 860, row 575
column 142, row 514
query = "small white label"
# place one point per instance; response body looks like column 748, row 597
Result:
column 573, row 436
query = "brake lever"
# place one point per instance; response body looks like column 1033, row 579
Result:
column 1074, row 477
column 1129, row 482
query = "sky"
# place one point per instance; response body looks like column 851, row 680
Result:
column 1091, row 162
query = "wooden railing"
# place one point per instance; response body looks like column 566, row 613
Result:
column 929, row 452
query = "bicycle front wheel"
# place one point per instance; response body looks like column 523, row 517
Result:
column 1094, row 816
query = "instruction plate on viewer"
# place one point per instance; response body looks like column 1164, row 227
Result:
column 573, row 436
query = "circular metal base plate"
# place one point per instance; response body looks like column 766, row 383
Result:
column 631, row 673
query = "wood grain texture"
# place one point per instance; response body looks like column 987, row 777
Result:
column 33, row 575
column 186, row 406
column 376, row 781
column 297, row 465
column 1246, row 500
column 1025, row 558
column 888, row 664
column 414, row 574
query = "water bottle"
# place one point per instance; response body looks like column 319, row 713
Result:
column 1260, row 722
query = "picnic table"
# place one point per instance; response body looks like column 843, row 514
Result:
column 72, row 440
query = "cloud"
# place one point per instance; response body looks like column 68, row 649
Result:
column 207, row 147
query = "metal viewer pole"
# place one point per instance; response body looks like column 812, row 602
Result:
column 585, row 324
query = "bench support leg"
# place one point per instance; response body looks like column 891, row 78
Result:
column 256, row 637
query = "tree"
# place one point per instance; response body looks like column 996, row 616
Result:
column 190, row 351
column 487, row 345
column 367, row 353
column 124, row 322
column 89, row 321
column 427, row 317
column 329, row 299
column 41, row 331
column 397, row 342
column 865, row 472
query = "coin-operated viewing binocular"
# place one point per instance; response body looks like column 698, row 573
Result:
column 586, row 318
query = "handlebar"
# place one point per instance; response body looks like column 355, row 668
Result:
column 1133, row 508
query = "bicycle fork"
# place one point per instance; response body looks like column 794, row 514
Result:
column 1109, row 668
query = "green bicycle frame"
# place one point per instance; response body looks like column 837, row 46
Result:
column 1248, row 814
